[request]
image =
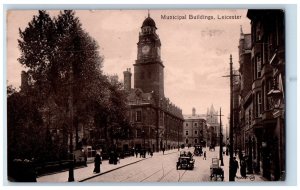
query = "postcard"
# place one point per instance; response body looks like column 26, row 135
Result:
column 149, row 95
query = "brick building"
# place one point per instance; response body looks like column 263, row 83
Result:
column 156, row 123
column 262, row 109
column 194, row 129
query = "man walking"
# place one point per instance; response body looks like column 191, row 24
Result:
column 235, row 166
column 97, row 163
column 204, row 155
column 243, row 167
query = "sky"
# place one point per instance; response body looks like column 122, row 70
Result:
column 195, row 52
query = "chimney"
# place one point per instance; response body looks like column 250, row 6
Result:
column 127, row 79
column 194, row 111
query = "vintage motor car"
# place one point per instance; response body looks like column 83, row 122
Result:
column 185, row 161
column 198, row 150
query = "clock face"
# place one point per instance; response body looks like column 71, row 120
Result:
column 145, row 49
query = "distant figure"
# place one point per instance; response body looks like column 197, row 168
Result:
column 204, row 155
column 235, row 166
column 97, row 163
column 151, row 153
column 163, row 149
column 136, row 153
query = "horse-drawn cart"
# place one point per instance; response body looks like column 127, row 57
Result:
column 215, row 170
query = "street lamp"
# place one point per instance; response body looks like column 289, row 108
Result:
column 231, row 164
column 178, row 137
column 143, row 133
column 70, row 104
column 221, row 140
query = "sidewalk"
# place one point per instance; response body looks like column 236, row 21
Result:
column 250, row 177
column 81, row 174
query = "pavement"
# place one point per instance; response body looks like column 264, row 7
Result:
column 249, row 178
column 85, row 173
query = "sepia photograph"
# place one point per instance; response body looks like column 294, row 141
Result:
column 147, row 95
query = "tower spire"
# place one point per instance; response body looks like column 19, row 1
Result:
column 148, row 13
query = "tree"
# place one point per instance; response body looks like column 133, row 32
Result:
column 65, row 78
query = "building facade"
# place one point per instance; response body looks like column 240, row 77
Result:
column 262, row 108
column 156, row 123
column 245, row 109
column 194, row 129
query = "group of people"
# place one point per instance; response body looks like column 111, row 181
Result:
column 143, row 152
column 243, row 166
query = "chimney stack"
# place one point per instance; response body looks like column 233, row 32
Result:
column 127, row 79
column 194, row 111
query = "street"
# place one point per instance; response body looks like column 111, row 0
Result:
column 159, row 168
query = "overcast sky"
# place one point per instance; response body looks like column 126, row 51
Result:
column 195, row 52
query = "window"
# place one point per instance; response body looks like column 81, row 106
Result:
column 195, row 124
column 186, row 124
column 186, row 132
column 268, row 88
column 258, row 65
column 259, row 103
column 196, row 132
column 250, row 117
column 186, row 141
column 196, row 140
column 138, row 116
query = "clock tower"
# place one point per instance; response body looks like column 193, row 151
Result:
column 148, row 68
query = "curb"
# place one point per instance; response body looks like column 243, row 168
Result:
column 111, row 170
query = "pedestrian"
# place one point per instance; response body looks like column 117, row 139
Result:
column 243, row 167
column 98, row 161
column 163, row 149
column 235, row 166
column 151, row 153
column 204, row 155
column 136, row 153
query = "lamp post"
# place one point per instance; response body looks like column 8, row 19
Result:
column 71, row 157
column 144, row 148
column 231, row 169
column 178, row 137
column 221, row 140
